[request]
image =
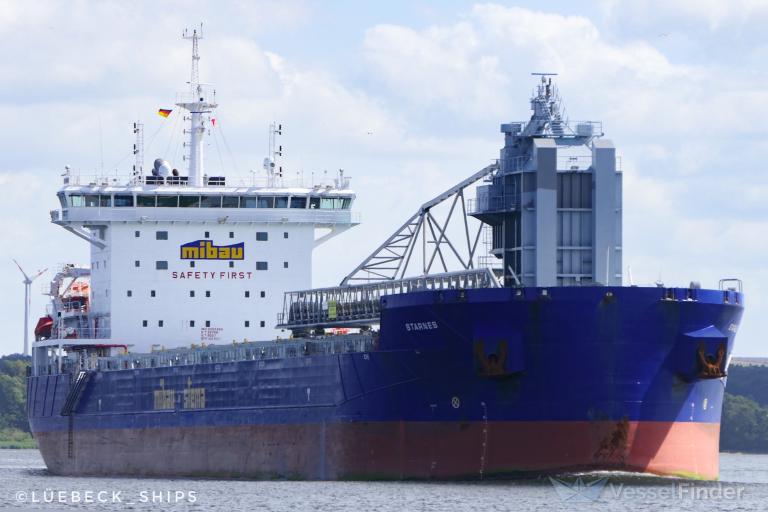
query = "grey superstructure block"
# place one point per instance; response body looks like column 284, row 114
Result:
column 606, row 218
column 545, row 163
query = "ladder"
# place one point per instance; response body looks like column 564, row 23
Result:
column 75, row 392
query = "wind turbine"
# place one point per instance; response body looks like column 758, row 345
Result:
column 27, row 285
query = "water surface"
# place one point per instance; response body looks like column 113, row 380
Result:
column 25, row 484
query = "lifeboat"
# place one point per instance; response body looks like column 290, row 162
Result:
column 43, row 328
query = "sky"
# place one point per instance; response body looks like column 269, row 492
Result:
column 407, row 98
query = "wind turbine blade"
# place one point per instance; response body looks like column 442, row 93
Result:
column 39, row 273
column 21, row 269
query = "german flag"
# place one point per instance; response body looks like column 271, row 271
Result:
column 165, row 112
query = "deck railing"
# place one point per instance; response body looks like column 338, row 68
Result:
column 359, row 305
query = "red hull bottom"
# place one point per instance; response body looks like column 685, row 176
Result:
column 388, row 450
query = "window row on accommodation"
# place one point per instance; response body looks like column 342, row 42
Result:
column 203, row 201
column 161, row 323
column 261, row 236
column 163, row 264
column 192, row 293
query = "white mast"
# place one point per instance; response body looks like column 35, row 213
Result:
column 27, row 284
column 198, row 105
column 275, row 150
column 138, row 152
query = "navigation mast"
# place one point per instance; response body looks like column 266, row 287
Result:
column 198, row 106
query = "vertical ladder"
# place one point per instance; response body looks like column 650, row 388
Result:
column 75, row 392
column 71, row 437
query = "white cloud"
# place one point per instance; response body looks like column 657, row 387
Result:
column 687, row 146
column 712, row 15
column 436, row 66
column 426, row 117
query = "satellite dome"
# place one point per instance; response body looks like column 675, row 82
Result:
column 161, row 168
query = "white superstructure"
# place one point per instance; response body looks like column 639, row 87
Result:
column 177, row 260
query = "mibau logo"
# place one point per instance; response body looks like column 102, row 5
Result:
column 205, row 250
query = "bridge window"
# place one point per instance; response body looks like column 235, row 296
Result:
column 76, row 200
column 91, row 201
column 123, row 201
column 261, row 265
column 298, row 202
column 247, row 202
column 314, row 203
column 105, row 201
column 281, row 202
column 347, row 203
column 230, row 202
column 266, row 202
column 168, row 201
column 262, row 236
column 210, row 202
column 189, row 201
column 145, row 201
column 161, row 235
column 331, row 203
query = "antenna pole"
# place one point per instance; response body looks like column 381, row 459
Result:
column 138, row 152
column 194, row 80
column 198, row 105
column 275, row 150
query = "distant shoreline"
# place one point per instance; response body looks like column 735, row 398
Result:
column 750, row 361
column 15, row 439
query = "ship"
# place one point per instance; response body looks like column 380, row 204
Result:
column 488, row 337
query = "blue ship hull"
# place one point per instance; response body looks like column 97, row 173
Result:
column 461, row 384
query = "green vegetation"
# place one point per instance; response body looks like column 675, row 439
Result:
column 744, row 425
column 750, row 382
column 15, row 438
column 14, row 428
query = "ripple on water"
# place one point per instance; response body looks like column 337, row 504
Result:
column 24, row 471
